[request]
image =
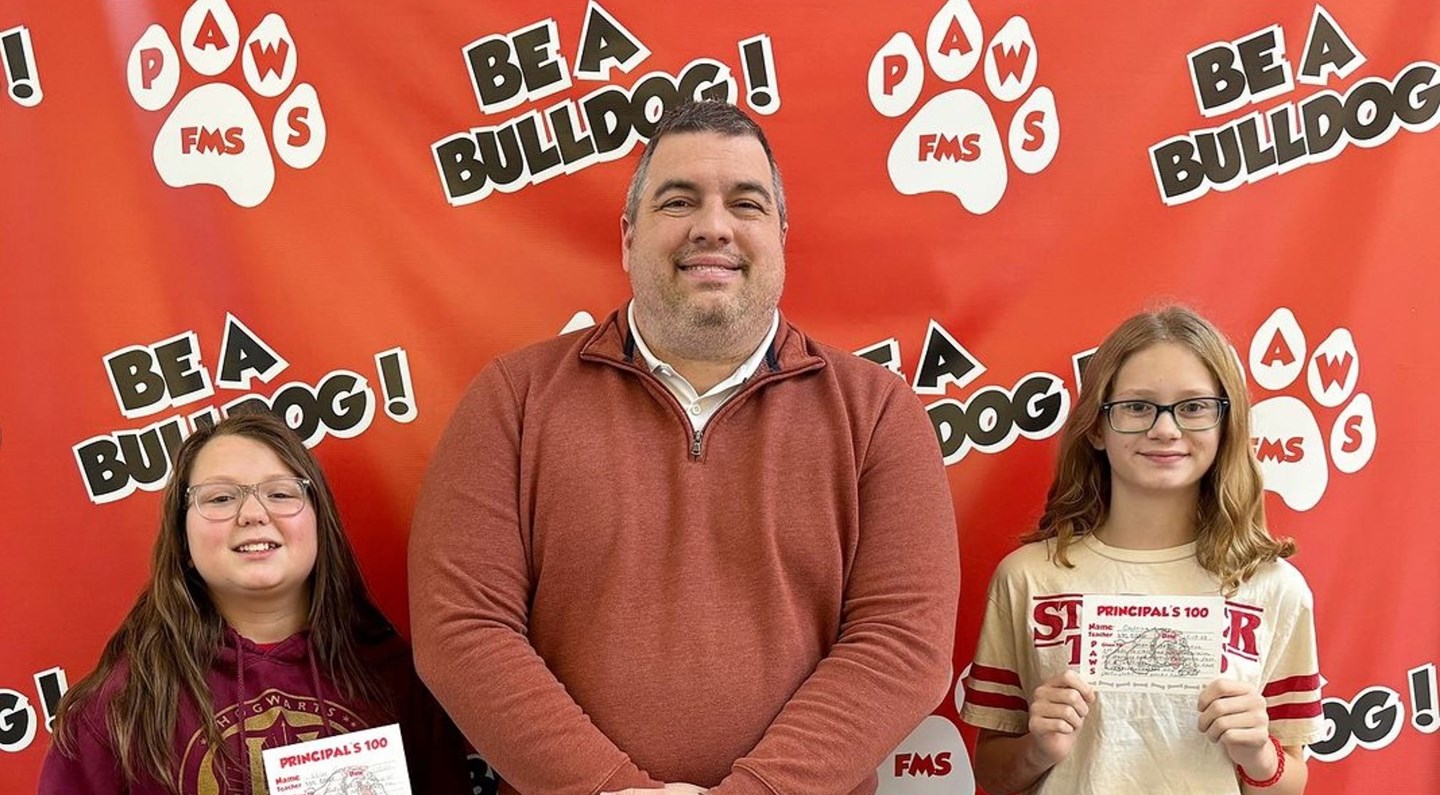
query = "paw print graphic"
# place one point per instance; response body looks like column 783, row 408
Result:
column 932, row 760
column 213, row 135
column 1296, row 455
column 953, row 144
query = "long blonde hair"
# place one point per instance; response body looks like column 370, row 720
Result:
column 1232, row 540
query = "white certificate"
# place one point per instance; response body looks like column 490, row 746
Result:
column 1151, row 643
column 368, row 762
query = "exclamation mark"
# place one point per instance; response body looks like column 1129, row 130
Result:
column 761, row 89
column 51, row 684
column 394, row 368
column 20, row 74
column 1423, row 713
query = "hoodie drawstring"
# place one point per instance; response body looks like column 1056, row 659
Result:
column 325, row 730
column 240, row 705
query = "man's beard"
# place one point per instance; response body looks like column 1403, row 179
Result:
column 710, row 329
column 724, row 330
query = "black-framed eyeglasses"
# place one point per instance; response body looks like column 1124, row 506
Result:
column 220, row 501
column 1190, row 414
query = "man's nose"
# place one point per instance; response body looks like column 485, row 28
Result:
column 712, row 224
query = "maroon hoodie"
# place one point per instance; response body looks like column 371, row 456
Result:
column 285, row 699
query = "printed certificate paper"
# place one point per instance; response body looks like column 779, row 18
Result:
column 368, row 762
column 1151, row 643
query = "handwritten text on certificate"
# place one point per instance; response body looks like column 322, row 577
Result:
column 368, row 762
column 1151, row 643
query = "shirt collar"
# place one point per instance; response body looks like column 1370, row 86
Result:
column 742, row 373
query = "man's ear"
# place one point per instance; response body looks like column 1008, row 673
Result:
column 784, row 230
column 627, row 232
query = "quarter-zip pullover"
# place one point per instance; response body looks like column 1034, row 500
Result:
column 603, row 599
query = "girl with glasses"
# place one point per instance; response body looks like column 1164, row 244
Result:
column 1156, row 492
column 254, row 631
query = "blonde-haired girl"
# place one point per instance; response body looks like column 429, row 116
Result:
column 1156, row 492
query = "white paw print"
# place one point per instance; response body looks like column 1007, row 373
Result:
column 1288, row 438
column 213, row 135
column 953, row 144
column 932, row 760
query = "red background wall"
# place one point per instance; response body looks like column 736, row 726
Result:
column 362, row 253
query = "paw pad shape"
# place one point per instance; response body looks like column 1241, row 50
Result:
column 932, row 760
column 954, row 144
column 213, row 135
column 1296, row 453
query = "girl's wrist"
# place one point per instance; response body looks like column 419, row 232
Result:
column 1036, row 756
column 1263, row 774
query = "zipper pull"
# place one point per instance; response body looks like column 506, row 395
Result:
column 695, row 446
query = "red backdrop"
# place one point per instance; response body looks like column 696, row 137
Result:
column 346, row 211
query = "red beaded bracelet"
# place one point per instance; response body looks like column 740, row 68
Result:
column 1279, row 768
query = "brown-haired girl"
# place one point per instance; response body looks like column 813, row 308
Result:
column 254, row 631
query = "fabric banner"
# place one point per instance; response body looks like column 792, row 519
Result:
column 344, row 211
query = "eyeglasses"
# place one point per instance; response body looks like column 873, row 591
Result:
column 219, row 501
column 1139, row 416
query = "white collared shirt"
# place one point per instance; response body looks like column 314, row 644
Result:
column 700, row 408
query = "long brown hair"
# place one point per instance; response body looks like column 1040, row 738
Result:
column 1232, row 540
column 170, row 637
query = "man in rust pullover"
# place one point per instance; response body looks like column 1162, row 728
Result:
column 689, row 546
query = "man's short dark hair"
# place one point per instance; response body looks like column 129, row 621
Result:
column 706, row 116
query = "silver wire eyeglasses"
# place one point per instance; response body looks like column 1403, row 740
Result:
column 1190, row 414
column 219, row 501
